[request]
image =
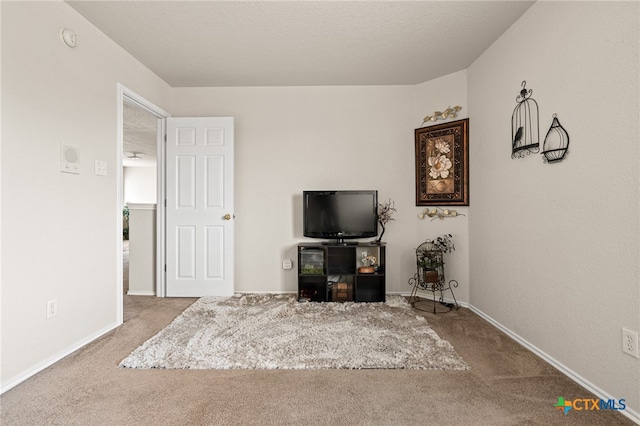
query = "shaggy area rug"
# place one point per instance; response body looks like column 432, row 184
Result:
column 277, row 332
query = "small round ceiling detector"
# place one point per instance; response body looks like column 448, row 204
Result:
column 68, row 37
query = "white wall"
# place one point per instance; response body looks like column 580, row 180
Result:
column 437, row 95
column 289, row 139
column 59, row 231
column 555, row 247
column 140, row 184
column 142, row 249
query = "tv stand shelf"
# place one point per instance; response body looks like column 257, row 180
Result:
column 339, row 273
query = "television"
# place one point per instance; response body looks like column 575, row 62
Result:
column 340, row 215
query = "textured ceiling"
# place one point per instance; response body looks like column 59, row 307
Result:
column 293, row 43
column 301, row 43
column 139, row 137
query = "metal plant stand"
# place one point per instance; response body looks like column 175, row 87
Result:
column 430, row 277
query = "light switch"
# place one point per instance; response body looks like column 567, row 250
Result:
column 101, row 168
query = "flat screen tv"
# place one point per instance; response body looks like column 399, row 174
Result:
column 340, row 215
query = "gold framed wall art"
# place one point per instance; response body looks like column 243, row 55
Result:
column 442, row 164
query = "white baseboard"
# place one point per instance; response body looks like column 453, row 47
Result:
column 16, row 380
column 264, row 292
column 629, row 413
column 141, row 293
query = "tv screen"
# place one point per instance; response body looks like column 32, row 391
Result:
column 340, row 214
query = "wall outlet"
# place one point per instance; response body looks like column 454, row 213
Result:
column 52, row 308
column 287, row 264
column 630, row 342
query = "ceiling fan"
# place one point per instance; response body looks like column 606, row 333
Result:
column 135, row 155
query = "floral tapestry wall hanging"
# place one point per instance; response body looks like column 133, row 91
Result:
column 442, row 168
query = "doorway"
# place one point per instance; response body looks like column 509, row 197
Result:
column 140, row 186
column 141, row 131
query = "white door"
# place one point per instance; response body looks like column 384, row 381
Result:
column 199, row 212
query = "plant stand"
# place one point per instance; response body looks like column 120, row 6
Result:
column 430, row 277
column 418, row 283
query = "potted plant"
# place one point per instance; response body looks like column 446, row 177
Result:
column 431, row 260
column 385, row 213
column 444, row 243
column 125, row 222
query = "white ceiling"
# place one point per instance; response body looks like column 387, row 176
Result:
column 293, row 43
column 301, row 43
column 139, row 136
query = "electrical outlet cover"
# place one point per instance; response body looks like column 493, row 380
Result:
column 630, row 342
column 52, row 308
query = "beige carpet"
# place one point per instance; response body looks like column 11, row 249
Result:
column 274, row 331
column 506, row 385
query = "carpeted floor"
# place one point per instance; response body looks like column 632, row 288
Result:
column 506, row 385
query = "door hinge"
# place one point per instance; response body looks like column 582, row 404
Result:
column 165, row 138
column 165, row 268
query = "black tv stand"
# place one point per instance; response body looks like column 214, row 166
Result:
column 340, row 273
column 340, row 242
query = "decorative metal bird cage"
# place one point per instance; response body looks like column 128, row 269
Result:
column 525, row 136
column 430, row 277
column 556, row 143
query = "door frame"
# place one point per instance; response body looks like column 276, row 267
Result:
column 127, row 94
